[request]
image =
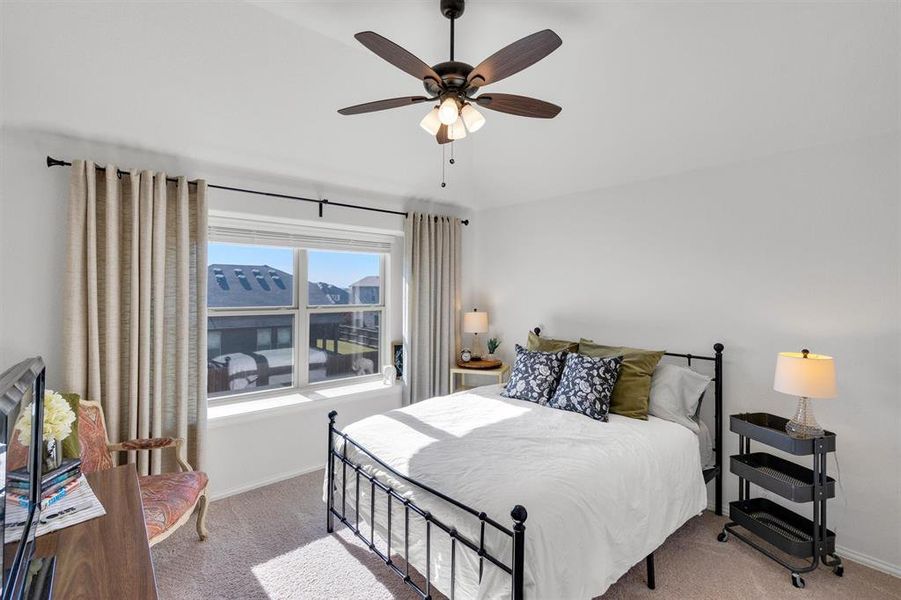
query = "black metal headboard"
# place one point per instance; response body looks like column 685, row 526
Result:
column 715, row 472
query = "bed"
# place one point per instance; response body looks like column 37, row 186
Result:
column 427, row 488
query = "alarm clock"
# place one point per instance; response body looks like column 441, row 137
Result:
column 466, row 355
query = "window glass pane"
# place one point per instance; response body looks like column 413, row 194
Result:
column 344, row 344
column 213, row 344
column 245, row 276
column 244, row 359
column 343, row 278
column 264, row 338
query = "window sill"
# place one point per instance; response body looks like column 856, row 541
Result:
column 224, row 414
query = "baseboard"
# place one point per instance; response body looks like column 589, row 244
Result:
column 264, row 482
column 846, row 553
column 868, row 561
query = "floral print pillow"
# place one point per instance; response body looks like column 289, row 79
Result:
column 535, row 375
column 587, row 385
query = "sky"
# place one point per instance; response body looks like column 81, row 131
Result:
column 337, row 268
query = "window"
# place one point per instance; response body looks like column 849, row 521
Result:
column 288, row 317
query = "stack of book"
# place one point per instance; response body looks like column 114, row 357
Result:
column 66, row 499
column 55, row 484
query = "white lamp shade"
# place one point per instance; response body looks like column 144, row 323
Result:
column 431, row 122
column 475, row 322
column 448, row 111
column 473, row 118
column 456, row 131
column 810, row 377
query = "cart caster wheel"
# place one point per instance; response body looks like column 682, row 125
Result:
column 722, row 537
column 838, row 570
column 797, row 581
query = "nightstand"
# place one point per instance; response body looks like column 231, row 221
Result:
column 499, row 375
column 771, row 524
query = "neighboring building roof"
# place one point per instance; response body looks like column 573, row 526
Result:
column 326, row 293
column 368, row 281
column 237, row 286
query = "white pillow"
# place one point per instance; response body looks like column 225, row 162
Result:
column 675, row 394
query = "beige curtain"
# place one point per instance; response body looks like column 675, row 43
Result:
column 134, row 334
column 432, row 304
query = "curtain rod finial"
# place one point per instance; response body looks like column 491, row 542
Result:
column 55, row 162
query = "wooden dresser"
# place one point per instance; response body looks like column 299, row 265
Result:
column 107, row 557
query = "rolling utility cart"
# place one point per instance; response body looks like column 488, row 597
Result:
column 771, row 522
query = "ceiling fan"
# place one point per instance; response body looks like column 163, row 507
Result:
column 453, row 84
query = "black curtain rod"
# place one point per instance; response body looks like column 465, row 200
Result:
column 54, row 162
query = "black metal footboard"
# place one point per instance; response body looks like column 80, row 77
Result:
column 517, row 532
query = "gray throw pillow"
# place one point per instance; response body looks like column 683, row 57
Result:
column 676, row 393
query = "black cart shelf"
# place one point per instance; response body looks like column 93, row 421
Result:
column 772, row 523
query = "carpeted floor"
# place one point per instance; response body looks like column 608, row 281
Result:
column 271, row 543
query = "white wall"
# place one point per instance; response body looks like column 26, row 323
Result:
column 798, row 249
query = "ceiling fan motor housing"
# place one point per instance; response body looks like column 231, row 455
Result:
column 453, row 73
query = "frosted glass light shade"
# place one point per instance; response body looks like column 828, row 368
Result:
column 806, row 375
column 456, row 131
column 448, row 111
column 473, row 118
column 475, row 322
column 431, row 123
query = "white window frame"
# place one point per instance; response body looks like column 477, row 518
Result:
column 301, row 310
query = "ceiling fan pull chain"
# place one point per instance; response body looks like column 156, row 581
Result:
column 452, row 161
column 443, row 182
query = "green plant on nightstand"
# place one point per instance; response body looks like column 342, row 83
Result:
column 493, row 344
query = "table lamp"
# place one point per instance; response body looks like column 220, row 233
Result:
column 807, row 376
column 475, row 322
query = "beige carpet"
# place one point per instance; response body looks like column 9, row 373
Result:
column 271, row 543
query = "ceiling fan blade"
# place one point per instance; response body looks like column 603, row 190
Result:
column 521, row 106
column 441, row 136
column 397, row 56
column 382, row 105
column 514, row 58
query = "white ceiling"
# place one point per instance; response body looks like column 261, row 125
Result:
column 647, row 89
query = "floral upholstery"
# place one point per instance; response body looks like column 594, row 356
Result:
column 167, row 497
column 95, row 456
column 148, row 444
column 17, row 455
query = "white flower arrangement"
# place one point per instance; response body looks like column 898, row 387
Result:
column 58, row 419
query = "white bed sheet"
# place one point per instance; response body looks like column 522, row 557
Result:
column 600, row 496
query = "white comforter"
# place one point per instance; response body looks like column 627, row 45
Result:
column 600, row 496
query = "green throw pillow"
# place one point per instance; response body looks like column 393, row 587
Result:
column 633, row 386
column 550, row 345
column 71, row 445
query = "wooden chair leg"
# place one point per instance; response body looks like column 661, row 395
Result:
column 201, row 518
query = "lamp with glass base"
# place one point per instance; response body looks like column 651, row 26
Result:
column 475, row 322
column 807, row 376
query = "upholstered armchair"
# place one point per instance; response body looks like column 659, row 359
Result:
column 169, row 499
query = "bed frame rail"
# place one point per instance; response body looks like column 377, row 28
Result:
column 516, row 533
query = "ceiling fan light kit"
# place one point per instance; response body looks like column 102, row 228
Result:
column 431, row 122
column 448, row 110
column 456, row 131
column 453, row 84
column 472, row 118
